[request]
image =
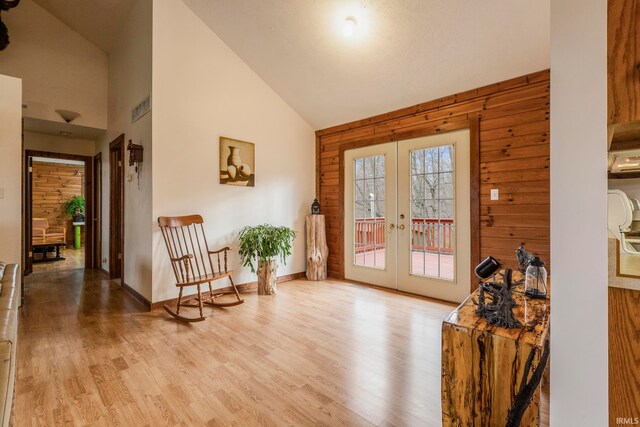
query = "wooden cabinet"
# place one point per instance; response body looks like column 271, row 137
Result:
column 484, row 368
column 623, row 40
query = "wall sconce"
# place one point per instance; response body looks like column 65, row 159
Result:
column 135, row 157
column 135, row 153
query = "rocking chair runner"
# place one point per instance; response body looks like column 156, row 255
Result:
column 192, row 263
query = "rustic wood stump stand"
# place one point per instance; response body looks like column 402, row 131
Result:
column 267, row 278
column 491, row 375
column 317, row 249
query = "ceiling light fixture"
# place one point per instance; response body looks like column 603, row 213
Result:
column 68, row 116
column 349, row 27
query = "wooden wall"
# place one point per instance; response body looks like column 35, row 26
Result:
column 623, row 70
column 624, row 354
column 53, row 184
column 623, row 57
column 514, row 157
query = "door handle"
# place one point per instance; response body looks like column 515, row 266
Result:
column 401, row 227
column 392, row 226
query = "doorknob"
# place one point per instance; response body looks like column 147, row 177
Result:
column 401, row 227
column 392, row 226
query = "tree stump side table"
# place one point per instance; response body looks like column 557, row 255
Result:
column 487, row 371
column 317, row 249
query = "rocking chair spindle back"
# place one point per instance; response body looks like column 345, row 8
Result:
column 192, row 261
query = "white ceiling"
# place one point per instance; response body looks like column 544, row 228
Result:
column 404, row 52
column 96, row 20
column 68, row 130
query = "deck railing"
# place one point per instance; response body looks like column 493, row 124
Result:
column 370, row 233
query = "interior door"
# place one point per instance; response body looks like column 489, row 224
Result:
column 370, row 214
column 116, row 211
column 434, row 216
column 28, row 232
column 97, row 211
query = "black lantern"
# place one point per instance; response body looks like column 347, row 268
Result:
column 315, row 207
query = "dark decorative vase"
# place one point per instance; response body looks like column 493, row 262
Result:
column 78, row 218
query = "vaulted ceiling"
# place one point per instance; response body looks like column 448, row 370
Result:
column 96, row 20
column 403, row 52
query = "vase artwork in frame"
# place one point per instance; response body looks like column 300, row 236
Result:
column 237, row 162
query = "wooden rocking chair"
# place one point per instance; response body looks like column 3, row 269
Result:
column 192, row 263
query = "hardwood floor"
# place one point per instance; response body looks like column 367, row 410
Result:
column 318, row 353
column 74, row 258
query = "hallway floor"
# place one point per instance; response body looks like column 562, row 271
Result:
column 74, row 259
column 318, row 353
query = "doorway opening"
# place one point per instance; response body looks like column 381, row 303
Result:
column 407, row 215
column 97, row 212
column 116, row 211
column 58, row 201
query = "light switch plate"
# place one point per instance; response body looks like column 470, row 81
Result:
column 494, row 194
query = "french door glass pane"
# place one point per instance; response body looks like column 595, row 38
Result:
column 432, row 212
column 369, row 211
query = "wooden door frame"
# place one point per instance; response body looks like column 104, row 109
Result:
column 116, row 145
column 27, row 213
column 88, row 195
column 473, row 124
column 97, row 214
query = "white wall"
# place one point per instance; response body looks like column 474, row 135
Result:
column 579, row 394
column 59, row 144
column 10, row 169
column 201, row 91
column 59, row 68
column 130, row 83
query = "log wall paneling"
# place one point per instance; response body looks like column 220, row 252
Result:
column 512, row 120
column 623, row 56
column 54, row 184
column 623, row 71
column 624, row 354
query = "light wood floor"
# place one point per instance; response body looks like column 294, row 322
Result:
column 323, row 353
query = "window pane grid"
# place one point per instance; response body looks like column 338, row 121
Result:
column 432, row 212
column 369, row 211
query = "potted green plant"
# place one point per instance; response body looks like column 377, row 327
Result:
column 264, row 244
column 75, row 208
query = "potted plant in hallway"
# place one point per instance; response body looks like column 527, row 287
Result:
column 75, row 208
column 264, row 243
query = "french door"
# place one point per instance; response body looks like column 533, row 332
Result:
column 370, row 212
column 407, row 215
